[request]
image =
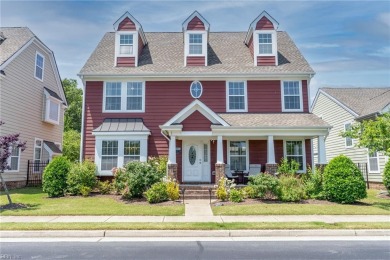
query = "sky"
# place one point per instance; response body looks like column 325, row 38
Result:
column 347, row 43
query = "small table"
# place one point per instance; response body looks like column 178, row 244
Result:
column 240, row 175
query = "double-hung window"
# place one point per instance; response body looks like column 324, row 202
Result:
column 131, row 151
column 292, row 96
column 373, row 162
column 124, row 97
column 348, row 140
column 236, row 96
column 126, row 44
column 109, row 158
column 13, row 160
column 265, row 43
column 295, row 151
column 238, row 155
column 39, row 66
column 195, row 44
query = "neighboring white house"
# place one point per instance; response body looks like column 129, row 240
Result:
column 341, row 107
column 32, row 100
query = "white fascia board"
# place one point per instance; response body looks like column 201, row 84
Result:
column 195, row 13
column 139, row 135
column 339, row 103
column 270, row 131
column 128, row 15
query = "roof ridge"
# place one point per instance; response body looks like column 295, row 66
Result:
column 380, row 94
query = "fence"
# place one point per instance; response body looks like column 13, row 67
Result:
column 34, row 172
column 363, row 168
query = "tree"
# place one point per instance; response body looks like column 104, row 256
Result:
column 71, row 147
column 372, row 134
column 74, row 96
column 7, row 142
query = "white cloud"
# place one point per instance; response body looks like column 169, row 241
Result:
column 319, row 45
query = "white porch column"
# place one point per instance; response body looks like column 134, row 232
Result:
column 321, row 150
column 172, row 150
column 270, row 150
column 219, row 150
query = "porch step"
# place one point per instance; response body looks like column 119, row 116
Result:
column 198, row 191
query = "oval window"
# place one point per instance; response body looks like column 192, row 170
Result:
column 192, row 155
column 196, row 89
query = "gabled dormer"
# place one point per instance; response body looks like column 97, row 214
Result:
column 262, row 40
column 129, row 41
column 195, row 30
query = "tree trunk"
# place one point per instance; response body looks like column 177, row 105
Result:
column 5, row 188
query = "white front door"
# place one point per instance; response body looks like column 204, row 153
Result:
column 195, row 168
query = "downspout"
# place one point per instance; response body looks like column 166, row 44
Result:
column 82, row 121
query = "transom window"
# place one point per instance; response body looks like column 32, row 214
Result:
column 39, row 65
column 292, row 96
column 126, row 44
column 196, row 89
column 294, row 151
column 348, row 140
column 238, row 155
column 109, row 157
column 236, row 96
column 265, row 43
column 195, row 44
column 124, row 97
column 131, row 151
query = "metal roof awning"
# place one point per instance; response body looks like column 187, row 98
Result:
column 122, row 125
column 54, row 149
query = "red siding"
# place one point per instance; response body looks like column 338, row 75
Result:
column 266, row 60
column 125, row 62
column 196, row 61
column 126, row 25
column 305, row 96
column 179, row 159
column 140, row 45
column 195, row 24
column 196, row 122
column 258, row 152
column 264, row 24
column 279, row 154
column 250, row 46
column 308, row 152
column 264, row 96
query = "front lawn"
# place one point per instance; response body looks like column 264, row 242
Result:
column 38, row 204
column 369, row 206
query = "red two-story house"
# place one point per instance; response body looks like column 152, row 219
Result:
column 205, row 99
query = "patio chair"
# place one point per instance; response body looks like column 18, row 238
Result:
column 254, row 169
column 228, row 173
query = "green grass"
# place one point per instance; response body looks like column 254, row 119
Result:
column 191, row 226
column 369, row 206
column 40, row 205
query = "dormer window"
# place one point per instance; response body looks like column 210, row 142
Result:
column 265, row 43
column 195, row 44
column 126, row 44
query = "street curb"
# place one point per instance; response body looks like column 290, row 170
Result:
column 195, row 233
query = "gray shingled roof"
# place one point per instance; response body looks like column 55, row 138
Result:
column 53, row 147
column 227, row 54
column 16, row 38
column 122, row 125
column 290, row 120
column 53, row 94
column 363, row 101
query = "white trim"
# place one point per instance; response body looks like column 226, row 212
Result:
column 123, row 97
column 345, row 138
column 300, row 96
column 135, row 46
column 35, row 146
column 139, row 135
column 82, row 121
column 369, row 165
column 35, row 65
column 187, row 46
column 189, row 19
column 245, row 96
column 253, row 24
column 127, row 15
column 201, row 88
column 303, row 141
column 274, row 52
column 16, row 54
column 48, row 101
column 246, row 155
column 9, row 161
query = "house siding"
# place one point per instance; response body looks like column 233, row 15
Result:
column 22, row 105
column 125, row 62
column 266, row 61
column 126, row 25
column 196, row 61
column 337, row 116
column 264, row 24
column 195, row 24
column 196, row 122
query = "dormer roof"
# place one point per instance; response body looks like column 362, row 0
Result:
column 195, row 21
column 263, row 21
column 127, row 22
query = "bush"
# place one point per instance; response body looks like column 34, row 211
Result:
column 81, row 175
column 313, row 184
column 54, row 177
column 173, row 190
column 343, row 181
column 288, row 167
column 264, row 185
column 105, row 187
column 85, row 191
column 159, row 164
column 236, row 195
column 157, row 193
column 71, row 148
column 121, row 178
column 223, row 188
column 249, row 192
column 291, row 188
column 386, row 176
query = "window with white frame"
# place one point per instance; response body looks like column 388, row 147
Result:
column 265, row 43
column 236, row 96
column 13, row 160
column 238, row 155
column 38, row 144
column 124, row 97
column 126, row 44
column 109, row 155
column 131, row 151
column 52, row 113
column 39, row 66
column 373, row 162
column 348, row 140
column 295, row 151
column 292, row 96
column 195, row 44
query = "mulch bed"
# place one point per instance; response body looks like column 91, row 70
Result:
column 265, row 201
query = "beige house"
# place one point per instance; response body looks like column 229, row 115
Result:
column 32, row 100
column 341, row 107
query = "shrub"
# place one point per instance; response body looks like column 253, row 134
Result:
column 54, row 177
column 249, row 192
column 288, row 167
column 386, row 176
column 85, row 191
column 120, row 179
column 105, row 187
column 223, row 188
column 236, row 195
column 291, row 188
column 172, row 190
column 157, row 193
column 264, row 185
column 313, row 183
column 81, row 175
column 159, row 164
column 343, row 181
